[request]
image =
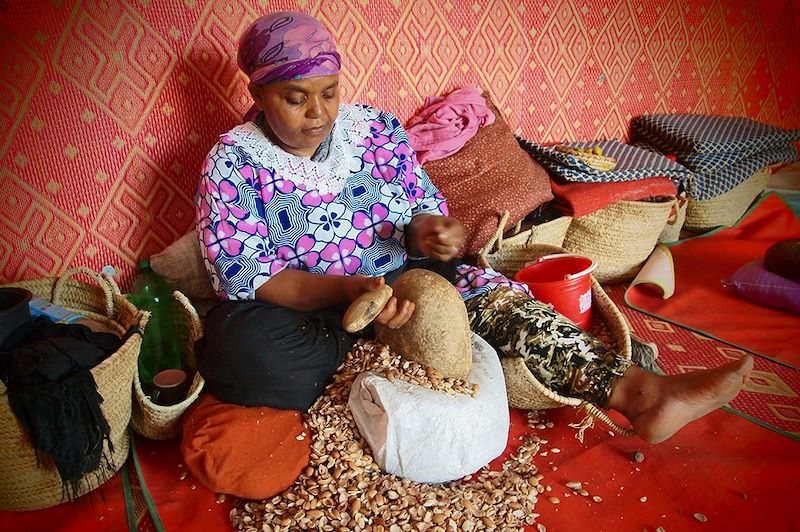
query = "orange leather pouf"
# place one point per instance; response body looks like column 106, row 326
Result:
column 251, row 452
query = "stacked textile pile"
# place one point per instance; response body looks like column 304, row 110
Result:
column 580, row 199
column 728, row 156
column 620, row 211
column 632, row 163
column 580, row 189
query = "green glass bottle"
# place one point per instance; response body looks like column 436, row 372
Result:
column 159, row 349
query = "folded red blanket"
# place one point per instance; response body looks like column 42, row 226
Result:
column 579, row 199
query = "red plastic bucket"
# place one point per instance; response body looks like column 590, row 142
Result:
column 564, row 281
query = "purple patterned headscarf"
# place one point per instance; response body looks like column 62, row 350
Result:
column 287, row 45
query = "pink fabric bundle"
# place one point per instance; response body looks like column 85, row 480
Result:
column 447, row 123
column 756, row 283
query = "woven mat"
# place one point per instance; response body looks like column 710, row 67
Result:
column 772, row 396
column 139, row 518
column 702, row 303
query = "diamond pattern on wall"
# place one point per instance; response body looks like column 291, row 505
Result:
column 425, row 64
column 360, row 48
column 606, row 128
column 769, row 110
column 94, row 89
column 211, row 52
column 142, row 210
column 667, row 43
column 738, row 62
column 617, row 46
column 21, row 70
column 745, row 49
column 116, row 59
column 499, row 50
column 708, row 48
column 35, row 237
column 562, row 47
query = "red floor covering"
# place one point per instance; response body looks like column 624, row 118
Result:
column 702, row 302
column 739, row 475
column 771, row 395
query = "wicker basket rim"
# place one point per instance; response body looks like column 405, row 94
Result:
column 111, row 293
column 495, row 243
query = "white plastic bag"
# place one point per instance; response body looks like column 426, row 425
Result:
column 430, row 436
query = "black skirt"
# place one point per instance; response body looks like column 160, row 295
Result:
column 259, row 354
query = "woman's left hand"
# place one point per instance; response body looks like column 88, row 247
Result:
column 396, row 313
column 434, row 236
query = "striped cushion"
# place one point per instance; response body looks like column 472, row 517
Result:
column 632, row 163
column 722, row 151
column 709, row 134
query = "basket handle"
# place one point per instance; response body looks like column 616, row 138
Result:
column 195, row 324
column 677, row 203
column 497, row 237
column 107, row 284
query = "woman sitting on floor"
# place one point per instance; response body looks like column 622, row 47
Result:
column 312, row 203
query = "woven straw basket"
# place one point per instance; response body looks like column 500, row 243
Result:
column 675, row 221
column 726, row 209
column 28, row 485
column 160, row 422
column 608, row 325
column 508, row 255
column 619, row 237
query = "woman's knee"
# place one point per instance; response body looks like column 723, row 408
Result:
column 258, row 354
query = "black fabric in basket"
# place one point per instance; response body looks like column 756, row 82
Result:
column 46, row 368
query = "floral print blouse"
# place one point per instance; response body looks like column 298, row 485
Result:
column 261, row 209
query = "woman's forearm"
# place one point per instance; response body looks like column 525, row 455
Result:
column 304, row 291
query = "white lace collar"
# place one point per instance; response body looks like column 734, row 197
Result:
column 327, row 176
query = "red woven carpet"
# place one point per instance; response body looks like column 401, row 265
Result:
column 736, row 473
column 771, row 397
column 701, row 302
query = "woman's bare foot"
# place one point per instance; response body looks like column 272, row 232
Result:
column 658, row 406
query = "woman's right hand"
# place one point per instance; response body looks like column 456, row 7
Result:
column 395, row 313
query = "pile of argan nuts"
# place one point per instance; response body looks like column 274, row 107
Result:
column 344, row 489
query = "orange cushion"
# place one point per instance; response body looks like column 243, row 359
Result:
column 246, row 451
column 489, row 175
